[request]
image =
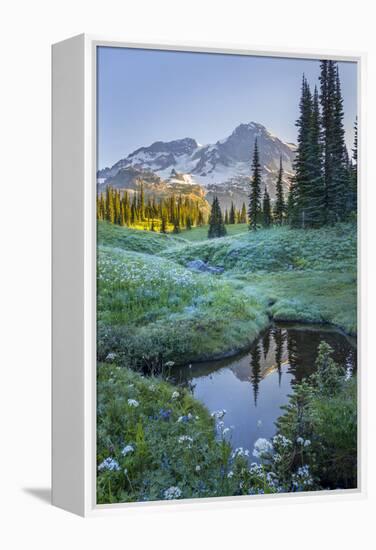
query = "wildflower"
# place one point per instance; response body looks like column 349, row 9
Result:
column 127, row 449
column 175, row 395
column 111, row 356
column 172, row 493
column 169, row 364
column 239, row 451
column 198, row 468
column 307, row 443
column 218, row 414
column 300, row 440
column 109, row 464
column 262, row 447
column 225, row 431
column 230, row 474
column 133, row 403
column 281, row 440
column 184, row 438
column 165, row 414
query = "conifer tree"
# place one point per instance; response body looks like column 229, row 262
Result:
column 340, row 187
column 226, row 217
column 334, row 162
column 231, row 218
column 315, row 207
column 243, row 214
column 176, row 228
column 302, row 176
column 216, row 226
column 163, row 228
column 255, row 194
column 280, row 207
column 266, row 210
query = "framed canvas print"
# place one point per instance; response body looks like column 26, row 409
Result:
column 206, row 303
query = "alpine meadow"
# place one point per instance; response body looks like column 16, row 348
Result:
column 226, row 275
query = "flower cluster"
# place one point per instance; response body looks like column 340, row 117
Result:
column 109, row 464
column 127, row 449
column 172, row 493
column 262, row 448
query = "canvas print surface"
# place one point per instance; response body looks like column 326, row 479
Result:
column 226, row 275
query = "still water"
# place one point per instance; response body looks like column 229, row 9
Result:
column 253, row 386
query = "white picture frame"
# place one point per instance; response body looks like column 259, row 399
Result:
column 74, row 277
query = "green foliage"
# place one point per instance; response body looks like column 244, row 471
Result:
column 266, row 210
column 279, row 207
column 254, row 211
column 154, row 441
column 216, row 225
column 321, row 422
column 133, row 210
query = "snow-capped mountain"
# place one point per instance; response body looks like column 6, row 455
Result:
column 223, row 168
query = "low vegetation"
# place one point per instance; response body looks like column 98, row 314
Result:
column 154, row 440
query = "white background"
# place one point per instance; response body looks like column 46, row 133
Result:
column 27, row 30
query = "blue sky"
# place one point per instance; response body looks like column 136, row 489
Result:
column 150, row 95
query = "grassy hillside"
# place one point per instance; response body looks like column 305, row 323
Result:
column 152, row 309
column 276, row 249
column 133, row 239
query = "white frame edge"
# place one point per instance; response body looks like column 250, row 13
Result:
column 74, row 279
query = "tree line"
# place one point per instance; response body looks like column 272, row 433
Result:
column 134, row 210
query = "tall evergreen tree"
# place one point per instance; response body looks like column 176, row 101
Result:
column 340, row 187
column 243, row 214
column 334, row 163
column 315, row 207
column 302, row 176
column 254, row 210
column 266, row 210
column 226, row 217
column 279, row 207
column 216, row 226
column 231, row 218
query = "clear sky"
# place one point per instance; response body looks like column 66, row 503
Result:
column 150, row 95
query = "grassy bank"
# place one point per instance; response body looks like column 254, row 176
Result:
column 151, row 310
column 156, row 442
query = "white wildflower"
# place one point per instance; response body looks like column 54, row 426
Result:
column 281, row 440
column 172, row 492
column 262, row 447
column 307, row 443
column 218, row 414
column 109, row 464
column 198, row 468
column 300, row 440
column 230, row 474
column 111, row 356
column 127, row 449
column 133, row 403
column 175, row 395
column 184, row 438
